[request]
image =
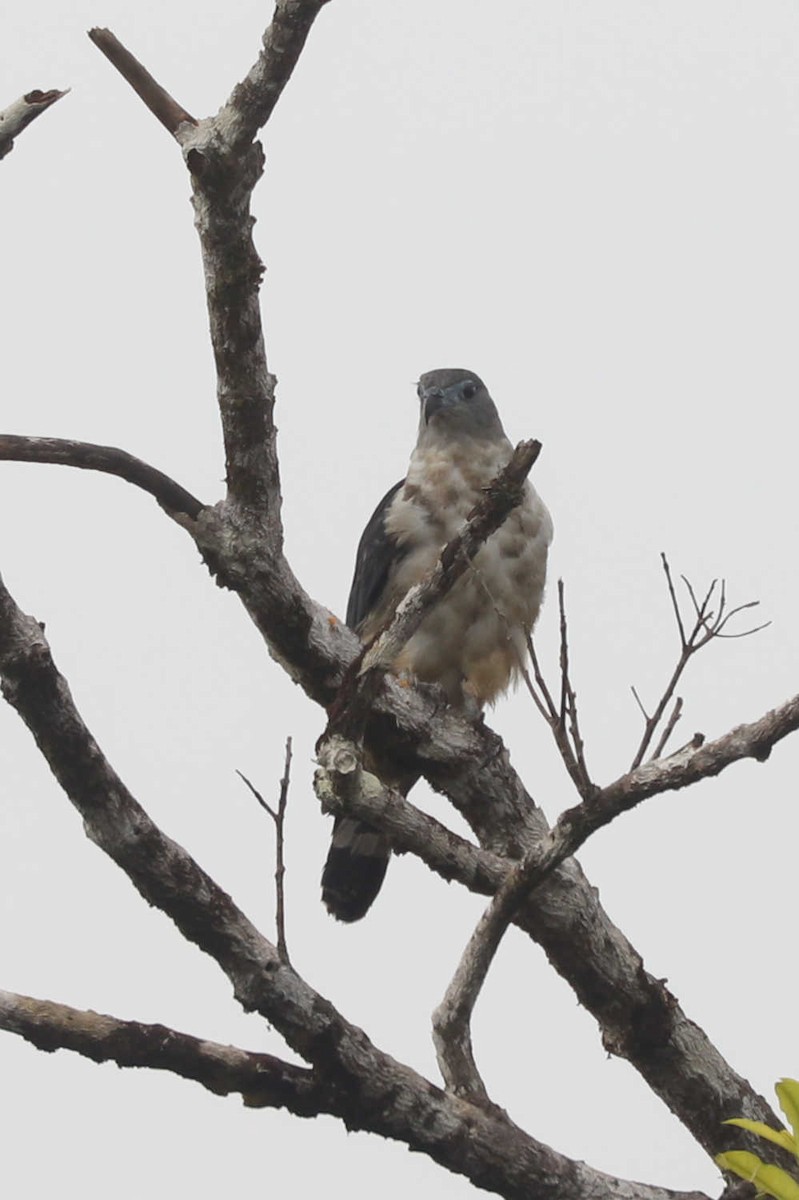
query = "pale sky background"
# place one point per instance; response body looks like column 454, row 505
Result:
column 592, row 204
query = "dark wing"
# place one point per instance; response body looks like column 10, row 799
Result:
column 358, row 855
column 377, row 554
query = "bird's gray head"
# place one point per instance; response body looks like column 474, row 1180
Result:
column 456, row 403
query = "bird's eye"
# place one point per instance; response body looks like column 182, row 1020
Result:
column 469, row 389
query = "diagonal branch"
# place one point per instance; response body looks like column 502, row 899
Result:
column 261, row 1079
column 19, row 115
column 167, row 110
column 173, row 498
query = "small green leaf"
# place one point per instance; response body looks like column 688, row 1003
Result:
column 781, row 1137
column 788, row 1095
column 769, row 1181
column 741, row 1162
column 778, row 1183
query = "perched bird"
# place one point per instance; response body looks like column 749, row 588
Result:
column 474, row 641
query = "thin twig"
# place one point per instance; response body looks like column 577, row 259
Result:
column 639, row 702
column 546, row 705
column 673, row 595
column 564, row 655
column 564, row 723
column 562, row 719
column 278, row 815
column 744, row 632
column 568, row 691
column 700, row 609
column 280, row 868
column 708, row 624
column 668, row 729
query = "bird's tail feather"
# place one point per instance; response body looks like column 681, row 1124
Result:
column 354, row 870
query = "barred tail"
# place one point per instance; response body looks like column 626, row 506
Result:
column 355, row 868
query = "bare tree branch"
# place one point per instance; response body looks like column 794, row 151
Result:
column 222, row 186
column 261, row 1079
column 640, row 1019
column 171, row 114
column 225, row 165
column 252, row 101
column 707, row 626
column 87, row 456
column 451, row 1021
column 373, row 1091
column 19, row 115
column 693, row 763
column 223, row 180
column 452, row 1018
column 482, row 871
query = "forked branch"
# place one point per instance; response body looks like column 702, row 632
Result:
column 711, row 617
column 278, row 816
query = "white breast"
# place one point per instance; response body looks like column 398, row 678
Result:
column 473, row 642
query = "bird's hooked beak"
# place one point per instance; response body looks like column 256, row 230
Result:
column 434, row 399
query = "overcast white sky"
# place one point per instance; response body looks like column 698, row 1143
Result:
column 593, row 205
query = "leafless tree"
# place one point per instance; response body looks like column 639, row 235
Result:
column 514, row 858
